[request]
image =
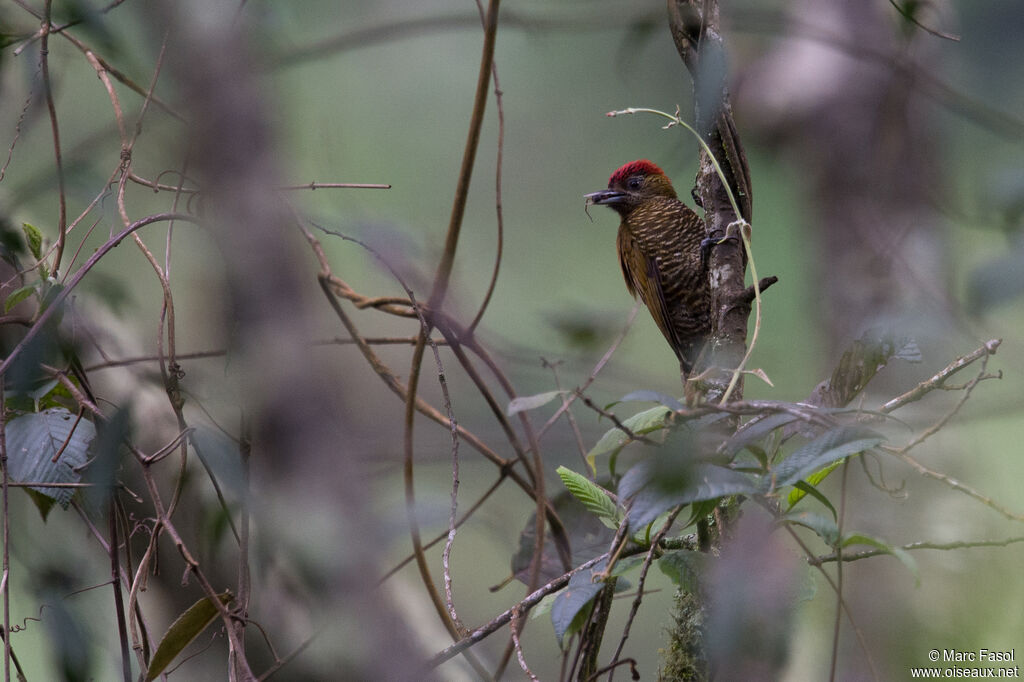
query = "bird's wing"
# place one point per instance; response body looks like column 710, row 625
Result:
column 643, row 277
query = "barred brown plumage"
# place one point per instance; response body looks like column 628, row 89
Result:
column 659, row 244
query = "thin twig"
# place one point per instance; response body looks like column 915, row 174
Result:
column 959, row 544
column 953, row 483
column 5, row 581
column 910, row 16
column 641, row 581
column 615, row 420
column 79, row 275
column 499, row 105
column 939, row 380
column 839, row 572
column 514, row 627
column 842, row 602
column 580, row 445
column 44, row 63
column 595, row 371
column 505, row 617
column 938, row 425
column 441, row 536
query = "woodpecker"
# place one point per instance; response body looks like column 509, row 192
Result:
column 660, row 244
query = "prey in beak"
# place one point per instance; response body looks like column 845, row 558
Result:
column 604, row 197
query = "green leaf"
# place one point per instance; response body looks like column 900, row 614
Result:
column 898, row 552
column 802, row 488
column 34, row 440
column 830, row 446
column 615, row 438
column 825, row 527
column 186, row 628
column 797, row 493
column 571, row 606
column 543, row 607
column 35, row 240
column 18, row 295
column 590, row 494
column 531, row 402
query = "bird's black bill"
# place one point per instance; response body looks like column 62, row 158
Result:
column 605, row 196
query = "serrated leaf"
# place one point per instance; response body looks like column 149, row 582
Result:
column 830, row 446
column 645, row 396
column 590, row 494
column 186, row 628
column 33, row 440
column 569, row 608
column 825, row 527
column 17, row 296
column 898, row 552
column 531, row 402
column 615, row 438
column 35, row 240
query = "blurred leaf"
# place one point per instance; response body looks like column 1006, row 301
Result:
column 650, row 497
column 797, row 493
column 582, row 327
column 588, row 537
column 684, row 568
column 825, row 527
column 650, row 397
column 33, row 441
column 997, row 281
column 102, row 470
column 590, row 494
column 531, row 402
column 615, row 438
column 859, row 364
column 754, row 430
column 909, row 352
column 571, row 606
column 186, row 628
column 42, row 390
column 219, row 454
column 830, row 446
column 898, row 552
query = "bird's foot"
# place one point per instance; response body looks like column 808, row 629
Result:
column 732, row 233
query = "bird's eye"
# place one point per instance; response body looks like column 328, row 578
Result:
column 635, row 182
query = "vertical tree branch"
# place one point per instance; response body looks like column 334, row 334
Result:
column 694, row 25
column 694, row 28
column 5, row 580
column 44, row 65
